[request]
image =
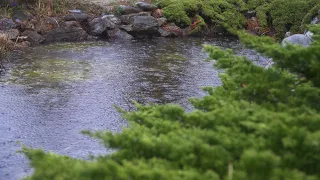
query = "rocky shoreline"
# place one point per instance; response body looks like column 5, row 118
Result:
column 142, row 21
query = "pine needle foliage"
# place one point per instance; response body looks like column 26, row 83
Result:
column 261, row 124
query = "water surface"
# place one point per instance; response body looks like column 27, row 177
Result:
column 50, row 93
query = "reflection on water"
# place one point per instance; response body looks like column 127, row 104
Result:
column 50, row 93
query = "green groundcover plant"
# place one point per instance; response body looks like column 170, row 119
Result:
column 280, row 15
column 261, row 124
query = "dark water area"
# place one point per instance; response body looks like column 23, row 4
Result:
column 50, row 93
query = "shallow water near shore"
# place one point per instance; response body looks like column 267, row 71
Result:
column 50, row 93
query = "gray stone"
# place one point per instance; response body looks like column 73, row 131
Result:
column 128, row 9
column 76, row 17
column 145, row 24
column 297, row 39
column 6, row 24
column 128, row 19
column 301, row 39
column 99, row 26
column 113, row 19
column 119, row 34
column 66, row 34
column 127, row 28
column 33, row 37
column 162, row 21
column 11, row 33
column 146, row 6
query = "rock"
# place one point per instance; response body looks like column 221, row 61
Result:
column 119, row 34
column 115, row 20
column 6, row 24
column 162, row 21
column 157, row 13
column 76, row 17
column 127, row 10
column 146, row 6
column 99, row 26
column 75, row 11
column 45, row 25
column 33, row 37
column 141, row 26
column 301, row 39
column 128, row 19
column 70, row 24
column 250, row 14
column 66, row 34
column 145, row 26
column 297, row 39
column 11, row 33
column 17, row 14
column 127, row 28
column 316, row 20
column 171, row 30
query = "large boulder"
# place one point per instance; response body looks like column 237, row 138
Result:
column 127, row 10
column 146, row 6
column 143, row 26
column 6, row 24
column 69, row 31
column 100, row 26
column 33, row 37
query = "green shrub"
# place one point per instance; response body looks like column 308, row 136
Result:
column 288, row 15
column 261, row 124
column 212, row 11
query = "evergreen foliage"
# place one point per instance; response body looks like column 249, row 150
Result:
column 261, row 124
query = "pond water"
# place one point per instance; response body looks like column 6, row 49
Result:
column 50, row 93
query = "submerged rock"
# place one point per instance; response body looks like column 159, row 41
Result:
column 146, row 6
